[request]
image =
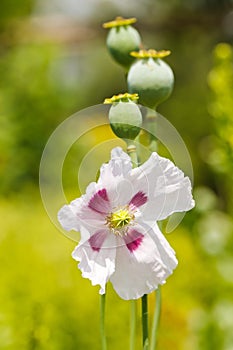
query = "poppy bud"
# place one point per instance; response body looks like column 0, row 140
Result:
column 150, row 77
column 122, row 39
column 125, row 116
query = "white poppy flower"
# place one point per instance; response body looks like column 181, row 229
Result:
column 120, row 239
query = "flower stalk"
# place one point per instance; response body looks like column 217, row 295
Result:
column 102, row 322
column 132, row 152
column 133, row 314
column 145, row 336
column 151, row 126
column 156, row 319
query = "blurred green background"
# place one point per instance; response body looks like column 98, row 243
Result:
column 53, row 62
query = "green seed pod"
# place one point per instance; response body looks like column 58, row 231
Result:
column 125, row 116
column 150, row 77
column 122, row 39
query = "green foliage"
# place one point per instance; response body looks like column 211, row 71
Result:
column 9, row 10
column 213, row 228
column 220, row 146
column 32, row 102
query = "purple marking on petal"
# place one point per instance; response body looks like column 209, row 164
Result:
column 138, row 199
column 133, row 240
column 96, row 241
column 100, row 202
column 103, row 194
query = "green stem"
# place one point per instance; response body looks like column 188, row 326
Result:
column 133, row 313
column 145, row 339
column 156, row 319
column 132, row 152
column 151, row 126
column 102, row 322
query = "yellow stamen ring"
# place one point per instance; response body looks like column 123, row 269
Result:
column 117, row 220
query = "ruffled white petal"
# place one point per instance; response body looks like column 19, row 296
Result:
column 67, row 215
column 119, row 164
column 79, row 217
column 95, row 265
column 140, row 271
column 114, row 177
column 167, row 188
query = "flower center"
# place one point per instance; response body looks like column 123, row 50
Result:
column 117, row 220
